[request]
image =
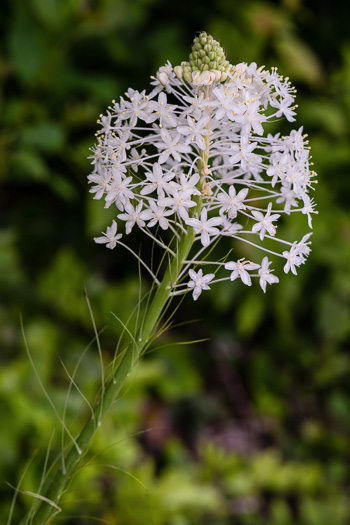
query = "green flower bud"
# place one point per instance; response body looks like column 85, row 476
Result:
column 188, row 77
column 206, row 55
column 209, row 51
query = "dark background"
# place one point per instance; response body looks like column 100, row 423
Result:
column 250, row 427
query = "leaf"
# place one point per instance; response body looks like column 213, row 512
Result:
column 49, row 12
column 27, row 164
column 28, row 49
column 299, row 59
column 45, row 136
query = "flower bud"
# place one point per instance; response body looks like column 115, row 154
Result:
column 218, row 76
column 188, row 77
column 165, row 69
column 178, row 70
column 163, row 78
column 206, row 55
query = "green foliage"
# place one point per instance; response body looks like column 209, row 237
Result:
column 252, row 426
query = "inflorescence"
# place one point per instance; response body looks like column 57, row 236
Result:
column 193, row 154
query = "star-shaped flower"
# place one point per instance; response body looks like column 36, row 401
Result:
column 199, row 282
column 264, row 223
column 205, row 226
column 110, row 238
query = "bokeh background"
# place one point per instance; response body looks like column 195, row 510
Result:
column 250, row 427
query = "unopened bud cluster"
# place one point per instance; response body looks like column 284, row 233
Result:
column 206, row 56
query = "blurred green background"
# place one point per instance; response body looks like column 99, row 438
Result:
column 251, row 427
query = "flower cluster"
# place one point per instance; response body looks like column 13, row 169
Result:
column 193, row 156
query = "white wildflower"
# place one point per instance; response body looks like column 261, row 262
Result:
column 194, row 158
column 133, row 216
column 110, row 238
column 265, row 274
column 196, row 131
column 162, row 111
column 171, row 145
column 157, row 214
column 205, row 226
column 199, row 282
column 240, row 269
column 231, row 202
column 157, row 180
column 179, row 201
column 264, row 223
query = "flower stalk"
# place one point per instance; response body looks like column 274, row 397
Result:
column 57, row 481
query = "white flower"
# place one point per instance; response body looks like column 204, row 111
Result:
column 186, row 183
column 265, row 274
column 179, row 202
column 264, row 223
column 230, row 228
column 297, row 254
column 117, row 146
column 283, row 105
column 289, row 197
column 303, row 245
column 133, row 216
column 105, row 122
column 135, row 109
column 296, row 140
column 157, row 214
column 195, row 131
column 205, row 226
column 308, row 208
column 225, row 103
column 231, row 202
column 137, row 156
column 171, row 145
column 157, row 180
column 163, row 112
column 279, row 168
column 118, row 190
column 195, row 157
column 199, row 282
column 110, row 238
column 243, row 154
column 240, row 270
column 197, row 104
column 294, row 258
column 251, row 116
column 101, row 178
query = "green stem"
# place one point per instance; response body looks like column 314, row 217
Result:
column 57, row 481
